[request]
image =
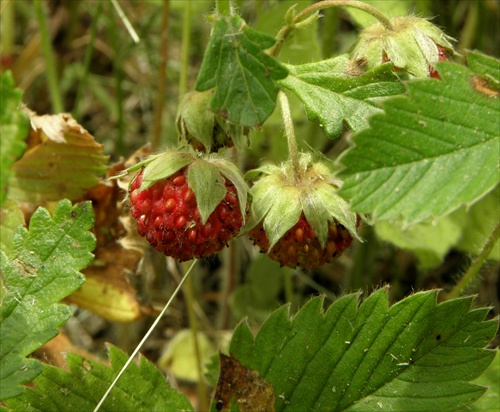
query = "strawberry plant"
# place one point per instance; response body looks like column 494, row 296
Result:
column 308, row 221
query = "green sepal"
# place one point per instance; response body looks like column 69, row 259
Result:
column 278, row 200
column 283, row 214
column 164, row 165
column 231, row 172
column 208, row 187
column 412, row 44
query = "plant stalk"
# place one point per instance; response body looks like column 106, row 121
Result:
column 293, row 151
column 146, row 336
column 162, row 77
column 50, row 64
column 304, row 14
column 473, row 271
column 87, row 58
column 223, row 7
column 186, row 39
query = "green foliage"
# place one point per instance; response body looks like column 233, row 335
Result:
column 41, row 270
column 244, row 76
column 368, row 356
column 332, row 94
column 141, row 388
column 430, row 153
column 14, row 127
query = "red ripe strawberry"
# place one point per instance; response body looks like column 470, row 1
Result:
column 177, row 222
column 300, row 246
column 297, row 217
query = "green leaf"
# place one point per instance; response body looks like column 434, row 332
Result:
column 485, row 65
column 414, row 355
column 332, row 96
column 14, row 126
column 243, row 75
column 490, row 379
column 260, row 293
column 430, row 153
column 141, row 388
column 429, row 241
column 43, row 270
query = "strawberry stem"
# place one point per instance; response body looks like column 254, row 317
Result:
column 304, row 14
column 473, row 271
column 293, row 151
column 224, row 7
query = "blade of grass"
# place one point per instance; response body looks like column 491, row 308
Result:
column 162, row 77
column 86, row 60
column 126, row 21
column 146, row 336
column 50, row 64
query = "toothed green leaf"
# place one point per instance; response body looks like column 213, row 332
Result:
column 430, row 153
column 43, row 269
column 243, row 75
column 332, row 96
column 142, row 387
column 412, row 356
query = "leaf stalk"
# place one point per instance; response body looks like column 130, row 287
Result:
column 304, row 14
column 473, row 271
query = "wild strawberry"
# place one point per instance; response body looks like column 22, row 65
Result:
column 297, row 216
column 188, row 207
column 202, row 128
column 413, row 45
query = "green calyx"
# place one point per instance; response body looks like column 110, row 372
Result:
column 412, row 45
column 202, row 128
column 279, row 199
column 205, row 176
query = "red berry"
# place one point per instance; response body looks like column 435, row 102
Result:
column 300, row 247
column 167, row 216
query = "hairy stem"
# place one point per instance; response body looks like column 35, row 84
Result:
column 146, row 336
column 304, row 14
column 50, row 64
column 293, row 151
column 473, row 271
column 162, row 77
column 224, row 7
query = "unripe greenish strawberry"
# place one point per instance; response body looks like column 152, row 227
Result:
column 414, row 45
column 297, row 217
column 202, row 128
column 187, row 206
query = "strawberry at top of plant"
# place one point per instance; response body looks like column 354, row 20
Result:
column 414, row 45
